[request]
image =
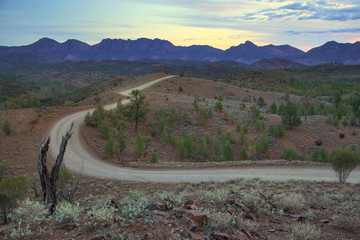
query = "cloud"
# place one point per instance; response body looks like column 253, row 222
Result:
column 344, row 30
column 306, row 10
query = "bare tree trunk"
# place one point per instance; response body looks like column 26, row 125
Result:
column 48, row 182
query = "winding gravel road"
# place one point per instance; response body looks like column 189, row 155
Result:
column 78, row 159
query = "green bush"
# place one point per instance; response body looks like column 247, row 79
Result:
column 341, row 135
column 290, row 154
column 154, row 157
column 243, row 153
column 110, row 147
column 68, row 213
column 273, row 108
column 186, row 145
column 139, row 146
column 344, row 160
column 3, row 168
column 228, row 154
column 263, row 145
column 320, row 155
column 277, row 130
column 7, row 128
column 11, row 189
column 259, row 125
column 261, row 102
column 29, row 212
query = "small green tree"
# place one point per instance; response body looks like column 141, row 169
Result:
column 291, row 116
column 344, row 160
column 261, row 102
column 273, row 108
column 137, row 109
column 228, row 154
column 110, row 146
column 139, row 146
column 105, row 129
column 154, row 157
column 320, row 155
column 7, row 128
column 165, row 136
column 11, row 189
column 243, row 153
column 121, row 144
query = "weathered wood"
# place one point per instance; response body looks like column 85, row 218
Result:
column 48, row 182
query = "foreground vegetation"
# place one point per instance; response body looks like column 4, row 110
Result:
column 251, row 208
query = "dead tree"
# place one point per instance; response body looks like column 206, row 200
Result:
column 48, row 181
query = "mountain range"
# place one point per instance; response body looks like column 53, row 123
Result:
column 49, row 50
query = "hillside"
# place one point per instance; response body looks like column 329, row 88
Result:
column 237, row 209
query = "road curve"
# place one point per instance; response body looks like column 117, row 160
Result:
column 78, row 159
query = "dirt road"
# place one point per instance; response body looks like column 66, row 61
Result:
column 78, row 159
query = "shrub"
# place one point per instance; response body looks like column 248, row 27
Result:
column 243, row 153
column 165, row 136
column 21, row 232
column 181, row 89
column 320, row 155
column 101, row 216
column 228, row 154
column 29, row 212
column 67, row 213
column 139, row 146
column 105, row 129
column 261, row 102
column 154, row 157
column 341, row 135
column 34, row 121
column 186, row 145
column 305, row 231
column 110, row 147
column 290, row 202
column 263, row 145
column 242, row 138
column 219, row 106
column 344, row 160
column 3, row 168
column 273, row 108
column 259, row 125
column 348, row 223
column 7, row 128
column 290, row 154
column 277, row 130
column 135, row 205
column 11, row 189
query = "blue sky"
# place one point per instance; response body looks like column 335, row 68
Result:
column 303, row 24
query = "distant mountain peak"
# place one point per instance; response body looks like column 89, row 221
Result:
column 45, row 41
column 249, row 43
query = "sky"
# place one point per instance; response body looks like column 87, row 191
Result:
column 221, row 24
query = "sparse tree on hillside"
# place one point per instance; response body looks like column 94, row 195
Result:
column 291, row 117
column 261, row 102
column 307, row 104
column 273, row 108
column 137, row 109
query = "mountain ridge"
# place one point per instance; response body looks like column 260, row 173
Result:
column 143, row 48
